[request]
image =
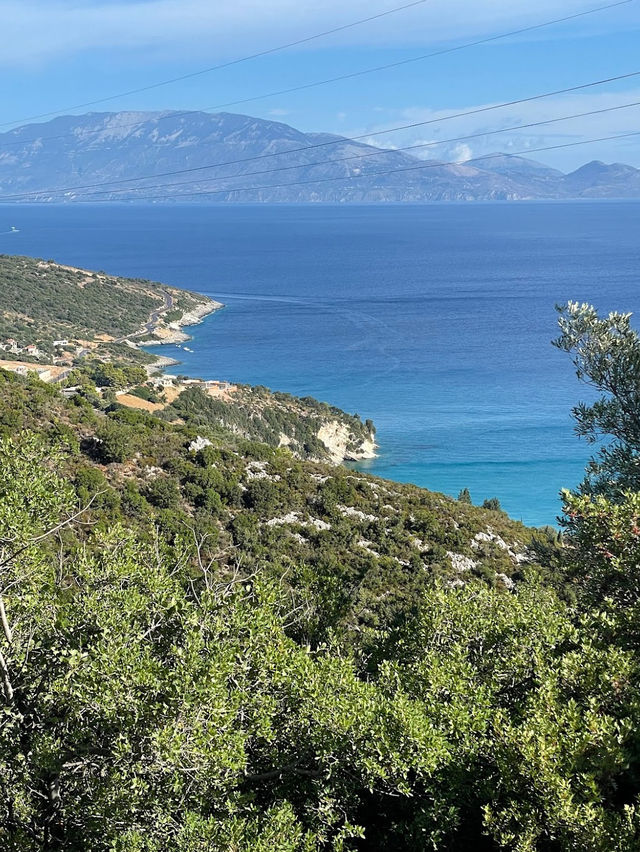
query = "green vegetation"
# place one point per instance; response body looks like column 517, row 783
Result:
column 606, row 355
column 277, row 419
column 45, row 302
column 116, row 376
column 208, row 644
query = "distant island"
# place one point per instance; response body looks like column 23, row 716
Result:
column 224, row 157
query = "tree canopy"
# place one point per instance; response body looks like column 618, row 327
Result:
column 230, row 649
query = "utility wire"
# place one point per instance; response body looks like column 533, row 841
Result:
column 402, row 62
column 232, row 62
column 428, row 165
column 455, row 48
column 336, row 141
column 381, row 151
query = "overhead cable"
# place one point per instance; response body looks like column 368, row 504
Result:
column 232, row 62
column 388, row 66
column 328, row 143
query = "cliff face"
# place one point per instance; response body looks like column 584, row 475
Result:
column 307, row 428
column 344, row 445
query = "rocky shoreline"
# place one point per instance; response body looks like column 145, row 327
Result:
column 172, row 332
column 341, row 444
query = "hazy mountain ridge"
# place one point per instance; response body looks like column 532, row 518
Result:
column 262, row 161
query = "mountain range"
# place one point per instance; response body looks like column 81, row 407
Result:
column 223, row 157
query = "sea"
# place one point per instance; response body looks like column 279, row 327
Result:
column 433, row 320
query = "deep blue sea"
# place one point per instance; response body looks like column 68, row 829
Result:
column 434, row 320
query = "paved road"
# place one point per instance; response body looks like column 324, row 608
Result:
column 154, row 318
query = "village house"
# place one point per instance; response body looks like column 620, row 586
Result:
column 217, row 385
column 69, row 392
column 163, row 381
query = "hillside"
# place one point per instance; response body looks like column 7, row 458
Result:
column 308, row 428
column 208, row 644
column 223, row 154
column 264, row 500
column 85, row 329
column 43, row 301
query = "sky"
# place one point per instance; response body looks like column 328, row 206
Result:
column 56, row 54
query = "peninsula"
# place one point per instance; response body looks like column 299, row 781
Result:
column 85, row 331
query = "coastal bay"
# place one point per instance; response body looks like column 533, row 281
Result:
column 434, row 321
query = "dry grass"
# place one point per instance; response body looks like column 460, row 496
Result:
column 55, row 371
column 132, row 401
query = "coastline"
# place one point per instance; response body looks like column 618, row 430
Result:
column 173, row 333
column 335, row 435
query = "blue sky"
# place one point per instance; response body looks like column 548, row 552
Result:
column 56, row 53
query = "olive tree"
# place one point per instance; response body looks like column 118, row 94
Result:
column 606, row 355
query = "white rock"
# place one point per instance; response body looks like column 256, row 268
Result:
column 199, row 444
column 296, row 518
column 291, row 518
column 318, row 524
column 460, row 562
column 257, row 470
column 350, row 512
column 368, row 546
column 489, row 536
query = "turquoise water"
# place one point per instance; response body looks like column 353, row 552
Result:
column 435, row 321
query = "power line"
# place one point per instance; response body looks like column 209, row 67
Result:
column 339, row 140
column 232, row 62
column 429, row 165
column 389, row 66
column 402, row 62
column 383, row 152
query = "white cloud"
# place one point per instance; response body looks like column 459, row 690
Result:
column 443, row 137
column 39, row 30
column 462, row 153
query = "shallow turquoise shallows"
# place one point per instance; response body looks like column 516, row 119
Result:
column 435, row 320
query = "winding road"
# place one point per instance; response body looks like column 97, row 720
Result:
column 154, row 318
